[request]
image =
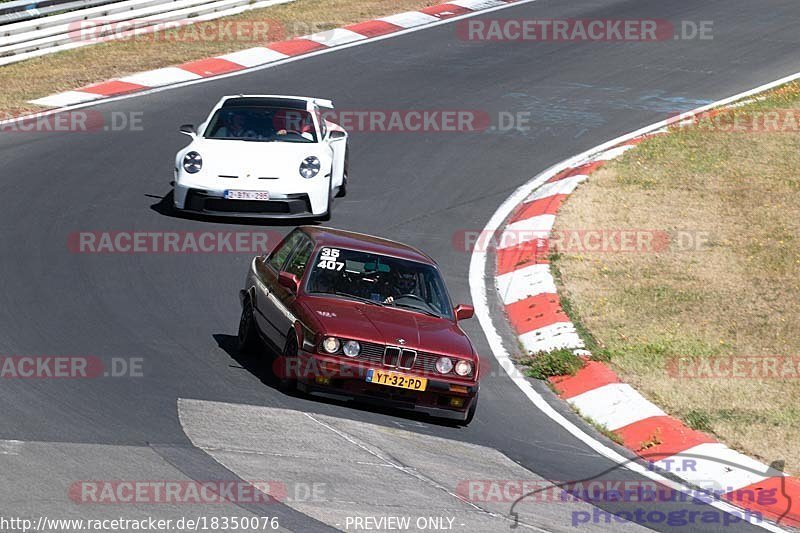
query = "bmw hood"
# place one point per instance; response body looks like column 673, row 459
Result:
column 387, row 325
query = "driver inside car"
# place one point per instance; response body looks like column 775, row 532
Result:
column 402, row 283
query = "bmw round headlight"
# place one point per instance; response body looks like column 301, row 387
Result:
column 463, row 368
column 309, row 167
column 444, row 365
column 331, row 344
column 192, row 162
column 351, row 348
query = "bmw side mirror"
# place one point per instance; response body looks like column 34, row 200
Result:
column 336, row 134
column 464, row 311
column 188, row 129
column 290, row 281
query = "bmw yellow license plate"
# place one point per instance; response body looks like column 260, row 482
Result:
column 393, row 379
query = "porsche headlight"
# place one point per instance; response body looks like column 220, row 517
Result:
column 444, row 365
column 463, row 368
column 331, row 344
column 309, row 167
column 351, row 348
column 192, row 162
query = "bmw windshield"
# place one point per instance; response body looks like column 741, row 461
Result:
column 380, row 280
column 262, row 124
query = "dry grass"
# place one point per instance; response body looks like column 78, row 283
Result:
column 738, row 294
column 71, row 69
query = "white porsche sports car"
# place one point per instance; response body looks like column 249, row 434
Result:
column 263, row 156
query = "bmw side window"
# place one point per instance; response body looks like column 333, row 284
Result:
column 297, row 264
column 281, row 253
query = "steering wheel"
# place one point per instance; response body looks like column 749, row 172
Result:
column 414, row 296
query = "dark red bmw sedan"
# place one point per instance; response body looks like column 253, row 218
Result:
column 354, row 316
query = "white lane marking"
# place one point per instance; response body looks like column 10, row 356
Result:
column 252, row 57
column 335, row 37
column 716, row 468
column 477, row 280
column 66, row 98
column 614, row 153
column 273, row 64
column 161, row 76
column 10, row 447
column 409, row 19
column 525, row 282
column 526, row 230
column 563, row 186
column 477, row 5
column 615, row 405
column 552, row 337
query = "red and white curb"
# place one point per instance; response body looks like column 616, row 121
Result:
column 528, row 292
column 270, row 53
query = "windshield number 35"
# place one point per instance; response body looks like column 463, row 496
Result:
column 327, row 259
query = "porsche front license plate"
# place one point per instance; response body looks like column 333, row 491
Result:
column 393, row 379
column 246, row 195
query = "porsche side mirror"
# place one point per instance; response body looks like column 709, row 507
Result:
column 464, row 312
column 336, row 134
column 290, row 281
column 188, row 129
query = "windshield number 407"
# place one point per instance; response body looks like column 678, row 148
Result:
column 327, row 259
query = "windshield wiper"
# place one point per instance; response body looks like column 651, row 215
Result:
column 358, row 298
column 415, row 308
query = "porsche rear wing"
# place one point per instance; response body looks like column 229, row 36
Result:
column 319, row 102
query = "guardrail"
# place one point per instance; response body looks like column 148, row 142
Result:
column 20, row 10
column 33, row 38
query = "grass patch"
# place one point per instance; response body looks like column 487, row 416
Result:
column 728, row 283
column 698, row 419
column 71, row 69
column 556, row 363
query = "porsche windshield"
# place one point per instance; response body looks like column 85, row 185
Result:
column 380, row 280
column 262, row 124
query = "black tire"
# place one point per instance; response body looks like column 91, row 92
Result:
column 471, row 412
column 326, row 216
column 288, row 383
column 342, row 192
column 248, row 341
